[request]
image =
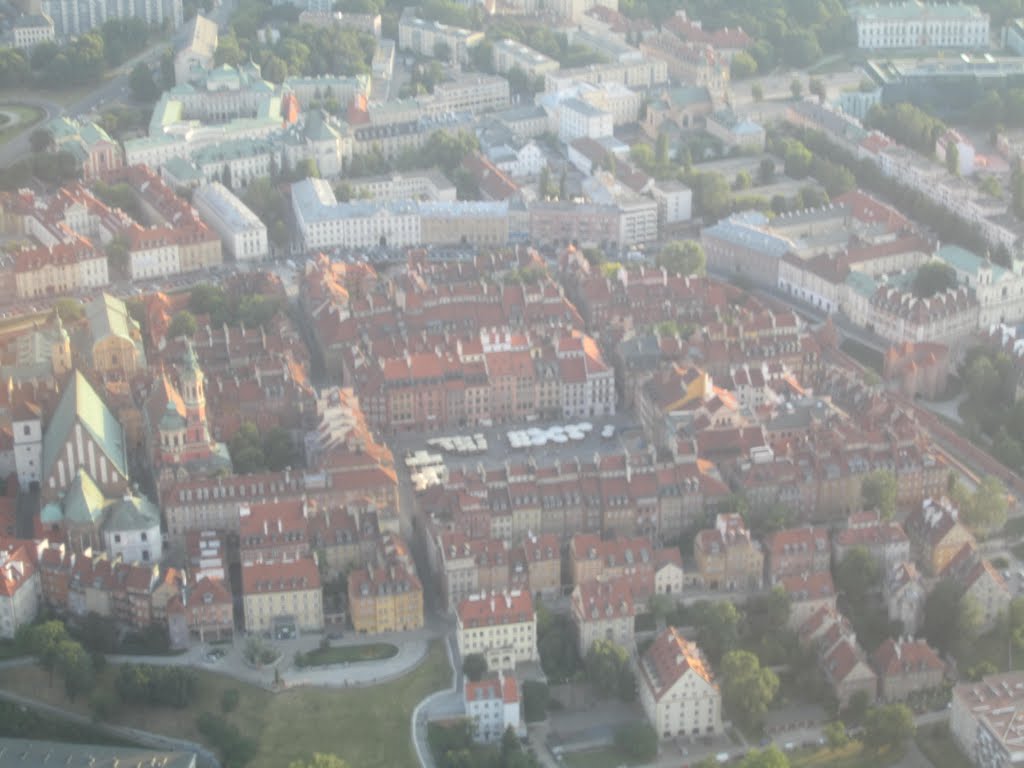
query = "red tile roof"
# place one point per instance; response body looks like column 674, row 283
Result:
column 280, row 576
column 669, row 658
column 496, row 608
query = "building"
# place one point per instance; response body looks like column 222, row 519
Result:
column 241, row 231
column 492, row 707
column 206, row 610
column 727, row 557
column 193, row 53
column 131, row 530
column 27, row 426
column 385, row 598
column 15, row 752
column 435, row 40
column 112, row 340
column 92, row 146
column 591, row 557
column 509, row 54
column 904, row 594
column 73, row 18
column 886, row 541
column 734, row 131
column 604, row 610
column 985, row 718
column 30, row 30
column 282, row 596
column 20, row 586
column 905, row 666
column 677, row 688
column 987, row 589
column 914, row 24
column 83, row 434
column 842, row 661
column 60, row 269
column 580, row 119
column 917, row 369
column 500, row 626
column 807, row 593
column 473, row 93
column 797, row 551
column 937, row 533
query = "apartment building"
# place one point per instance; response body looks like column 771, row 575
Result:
column 204, row 610
column 905, row 666
column 884, row 540
column 912, row 24
column 435, row 40
column 20, row 586
column 797, row 551
column 473, row 93
column 274, row 530
column 29, row 30
column 678, row 691
column 492, row 707
column 282, row 594
column 727, row 557
column 983, row 719
column 936, row 533
column 500, row 626
column 603, row 609
column 385, row 598
column 509, row 54
column 242, row 233
column 73, row 18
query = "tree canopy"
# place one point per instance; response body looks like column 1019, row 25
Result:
column 683, row 257
column 932, row 278
column 747, row 689
column 878, row 491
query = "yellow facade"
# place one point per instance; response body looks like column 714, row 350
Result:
column 387, row 613
column 305, row 605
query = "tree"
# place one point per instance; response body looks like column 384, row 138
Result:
column 888, row 727
column 718, row 627
column 817, row 88
column 857, row 575
column 950, row 620
column 638, row 740
column 70, row 310
column 661, row 150
column 953, row 158
column 683, row 257
column 182, row 324
column 474, row 666
column 40, row 140
column 43, row 641
column 857, row 708
column 747, row 689
column 742, row 182
column 836, row 735
column 608, row 670
column 319, row 761
column 770, row 757
column 442, row 51
column 757, row 92
column 246, row 450
column 766, row 615
column 878, row 491
column 642, row 154
column 144, row 87
column 556, row 645
column 932, row 278
column 75, row 667
column 742, row 66
column 535, row 701
column 986, row 510
column 766, row 171
column 796, row 88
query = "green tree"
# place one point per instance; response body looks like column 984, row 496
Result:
column 878, row 491
column 556, row 645
column 953, row 158
column 747, row 689
column 769, row 757
column 682, row 257
column 718, row 627
column 43, row 641
column 608, row 670
column 986, row 510
column 766, row 171
column 144, row 87
column 75, row 667
column 796, row 88
column 182, row 324
column 661, row 150
column 474, row 666
column 742, row 66
column 70, row 310
column 757, row 92
column 40, row 140
column 742, row 182
column 932, row 278
column 246, row 449
column 638, row 740
column 950, row 620
column 888, row 727
column 857, row 575
column 642, row 155
column 836, row 735
column 816, row 87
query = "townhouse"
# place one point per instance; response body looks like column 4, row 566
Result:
column 885, row 541
column 727, row 557
column 500, row 626
column 282, row 596
column 678, row 690
column 603, row 609
column 905, row 666
column 797, row 552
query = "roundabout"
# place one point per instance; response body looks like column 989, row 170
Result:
column 15, row 118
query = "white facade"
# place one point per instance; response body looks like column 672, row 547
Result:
column 135, row 546
column 323, row 222
column 20, row 593
column 63, row 277
column 72, row 18
column 578, row 119
column 921, row 25
column 240, row 230
column 501, row 627
column 638, row 221
column 30, row 31
column 156, row 261
column 677, row 690
column 675, row 202
column 492, row 705
column 425, row 37
column 28, row 450
column 470, row 93
column 509, row 54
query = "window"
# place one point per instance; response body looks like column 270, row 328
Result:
column 143, row 536
column 27, row 430
column 117, row 538
column 145, row 555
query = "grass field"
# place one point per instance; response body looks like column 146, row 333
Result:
column 26, row 117
column 347, row 654
column 367, row 727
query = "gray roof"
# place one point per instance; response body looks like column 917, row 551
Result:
column 132, row 513
column 26, row 753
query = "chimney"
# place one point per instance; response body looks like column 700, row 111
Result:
column 280, row 528
column 265, row 531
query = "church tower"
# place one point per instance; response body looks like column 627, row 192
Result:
column 60, row 354
column 193, row 395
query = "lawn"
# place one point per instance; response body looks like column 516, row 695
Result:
column 26, row 117
column 853, row 755
column 346, row 654
column 367, row 727
column 609, row 757
column 1014, row 528
column 9, row 650
column 938, row 746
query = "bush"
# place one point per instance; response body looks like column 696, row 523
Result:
column 147, row 684
column 235, row 749
column 229, row 700
column 638, row 740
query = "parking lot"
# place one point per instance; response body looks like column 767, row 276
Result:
column 500, row 449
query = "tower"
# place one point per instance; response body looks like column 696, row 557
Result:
column 193, row 395
column 60, row 354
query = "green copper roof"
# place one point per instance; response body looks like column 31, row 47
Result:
column 51, row 514
column 80, row 402
column 134, row 513
column 84, row 501
column 108, row 316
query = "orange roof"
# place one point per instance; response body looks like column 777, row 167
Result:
column 669, row 658
column 496, row 608
column 280, row 576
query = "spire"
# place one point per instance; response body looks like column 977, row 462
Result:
column 190, row 362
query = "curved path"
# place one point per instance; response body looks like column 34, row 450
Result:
column 17, row 146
